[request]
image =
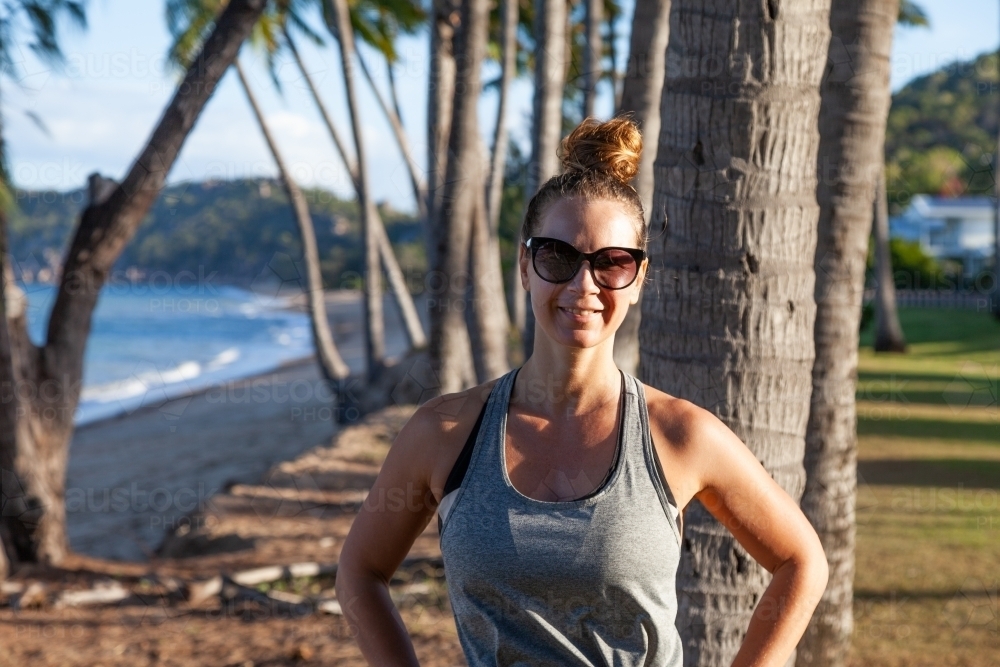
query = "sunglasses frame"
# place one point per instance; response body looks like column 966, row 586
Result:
column 535, row 242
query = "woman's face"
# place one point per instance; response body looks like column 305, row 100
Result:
column 587, row 226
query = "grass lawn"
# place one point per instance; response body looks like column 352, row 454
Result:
column 928, row 510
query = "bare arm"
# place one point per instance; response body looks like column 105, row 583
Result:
column 740, row 493
column 398, row 508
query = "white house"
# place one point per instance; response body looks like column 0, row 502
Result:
column 959, row 228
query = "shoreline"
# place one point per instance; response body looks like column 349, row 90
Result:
column 135, row 476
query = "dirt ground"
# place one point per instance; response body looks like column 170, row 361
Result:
column 301, row 512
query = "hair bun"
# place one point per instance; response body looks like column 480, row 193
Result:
column 613, row 147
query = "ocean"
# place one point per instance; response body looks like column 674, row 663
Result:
column 148, row 344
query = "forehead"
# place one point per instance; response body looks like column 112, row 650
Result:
column 589, row 224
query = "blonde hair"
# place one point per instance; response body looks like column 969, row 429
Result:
column 599, row 159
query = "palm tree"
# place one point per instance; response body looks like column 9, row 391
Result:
column 411, row 319
column 546, row 127
column 888, row 333
column 332, row 365
column 593, row 53
column 855, row 104
column 43, row 25
column 34, row 515
column 461, row 200
column 187, row 20
column 729, row 323
column 338, row 22
column 641, row 91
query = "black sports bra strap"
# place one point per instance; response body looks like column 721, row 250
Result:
column 461, row 466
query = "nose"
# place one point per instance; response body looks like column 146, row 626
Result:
column 583, row 281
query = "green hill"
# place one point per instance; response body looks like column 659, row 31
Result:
column 235, row 228
column 941, row 134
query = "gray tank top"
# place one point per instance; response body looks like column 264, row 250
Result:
column 587, row 582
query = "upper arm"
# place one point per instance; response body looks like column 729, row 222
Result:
column 400, row 503
column 737, row 490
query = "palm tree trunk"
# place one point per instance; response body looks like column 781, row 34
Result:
column 641, row 92
column 852, row 119
column 330, row 362
column 440, row 99
column 463, row 186
column 487, row 316
column 411, row 319
column 396, row 123
column 498, row 158
column 550, row 77
column 888, row 333
column 730, row 323
column 593, row 53
column 339, row 23
column 35, row 485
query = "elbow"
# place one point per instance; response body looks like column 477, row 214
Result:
column 815, row 573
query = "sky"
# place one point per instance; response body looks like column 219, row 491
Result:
column 96, row 112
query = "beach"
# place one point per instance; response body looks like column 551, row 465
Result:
column 138, row 474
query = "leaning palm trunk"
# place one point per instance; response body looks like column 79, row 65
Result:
column 330, row 362
column 396, row 123
column 498, row 157
column 888, row 333
column 33, row 489
column 729, row 324
column 641, row 97
column 546, row 129
column 414, row 329
column 855, row 103
column 463, row 189
column 339, row 22
column 593, row 53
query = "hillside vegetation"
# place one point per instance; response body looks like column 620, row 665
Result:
column 238, row 229
column 942, row 132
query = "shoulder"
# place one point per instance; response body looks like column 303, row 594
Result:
column 434, row 436
column 689, row 441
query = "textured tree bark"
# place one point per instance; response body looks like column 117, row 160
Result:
column 330, row 362
column 498, row 157
column 463, row 186
column 546, row 128
column 888, row 333
column 593, row 54
column 855, row 104
column 339, row 23
column 729, row 323
column 46, row 381
column 641, row 91
column 440, row 99
column 411, row 319
column 487, row 313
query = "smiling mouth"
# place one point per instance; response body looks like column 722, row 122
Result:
column 580, row 311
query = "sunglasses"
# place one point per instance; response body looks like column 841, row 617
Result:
column 556, row 261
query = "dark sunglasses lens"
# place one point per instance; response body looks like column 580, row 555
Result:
column 555, row 261
column 615, row 269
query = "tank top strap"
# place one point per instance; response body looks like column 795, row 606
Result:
column 644, row 452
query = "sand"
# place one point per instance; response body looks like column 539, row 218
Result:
column 137, row 475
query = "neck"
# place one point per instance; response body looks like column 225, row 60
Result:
column 561, row 381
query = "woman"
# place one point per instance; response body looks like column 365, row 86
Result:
column 560, row 487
